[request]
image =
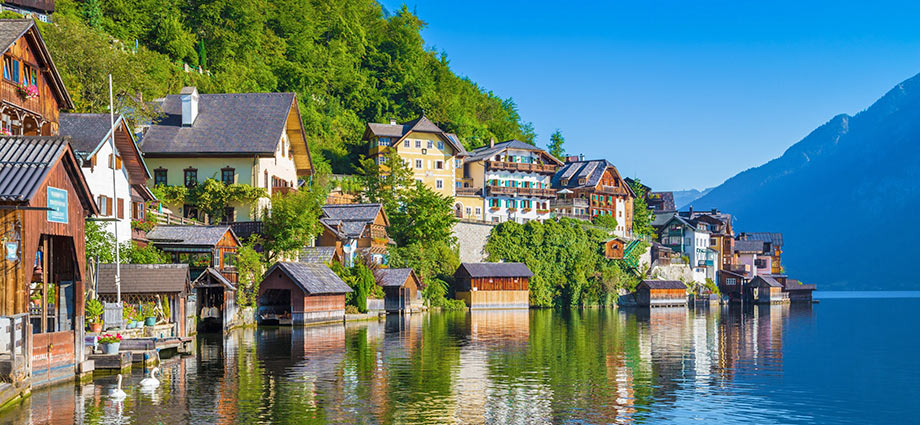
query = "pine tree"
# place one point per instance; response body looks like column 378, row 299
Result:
column 556, row 144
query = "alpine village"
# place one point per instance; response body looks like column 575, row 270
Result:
column 131, row 223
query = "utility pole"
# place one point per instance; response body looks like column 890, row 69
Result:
column 114, row 193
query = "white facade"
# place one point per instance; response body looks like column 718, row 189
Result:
column 518, row 205
column 109, row 194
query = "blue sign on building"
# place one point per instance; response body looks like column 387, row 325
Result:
column 57, row 205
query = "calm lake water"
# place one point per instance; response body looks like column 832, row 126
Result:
column 848, row 359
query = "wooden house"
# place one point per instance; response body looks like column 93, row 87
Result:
column 493, row 285
column 615, row 249
column 32, row 93
column 215, row 302
column 301, row 293
column 44, row 202
column 797, row 291
column 773, row 248
column 201, row 247
column 598, row 182
column 661, row 293
column 401, row 288
column 150, row 283
column 767, row 290
column 355, row 230
column 103, row 152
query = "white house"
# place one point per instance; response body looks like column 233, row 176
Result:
column 692, row 241
column 121, row 198
column 514, row 180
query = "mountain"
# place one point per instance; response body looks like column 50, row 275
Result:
column 843, row 197
column 682, row 198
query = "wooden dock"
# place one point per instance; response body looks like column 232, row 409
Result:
column 112, row 362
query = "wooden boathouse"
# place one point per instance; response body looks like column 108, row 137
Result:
column 661, row 293
column 401, row 288
column 166, row 285
column 767, row 290
column 301, row 293
column 493, row 285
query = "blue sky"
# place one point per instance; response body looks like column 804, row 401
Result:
column 682, row 94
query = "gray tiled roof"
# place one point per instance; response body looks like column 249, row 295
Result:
column 11, row 30
column 591, row 171
column 312, row 277
column 662, row 218
column 25, row 163
column 664, row 284
column 144, row 278
column 392, row 277
column 775, row 238
column 765, row 280
column 86, row 131
column 204, row 236
column 232, row 123
column 748, row 246
column 487, row 151
column 317, row 254
column 352, row 217
column 494, row 270
column 421, row 124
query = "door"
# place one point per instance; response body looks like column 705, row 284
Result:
column 67, row 308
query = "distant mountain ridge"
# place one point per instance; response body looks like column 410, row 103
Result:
column 682, row 198
column 838, row 196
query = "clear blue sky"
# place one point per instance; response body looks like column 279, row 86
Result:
column 682, row 94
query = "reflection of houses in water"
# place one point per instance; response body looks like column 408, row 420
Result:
column 499, row 326
column 664, row 340
column 753, row 338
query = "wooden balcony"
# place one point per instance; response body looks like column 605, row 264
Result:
column 469, row 191
column 167, row 218
column 284, row 190
column 516, row 166
column 522, row 191
column 613, row 190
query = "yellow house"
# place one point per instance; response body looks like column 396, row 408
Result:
column 255, row 139
column 431, row 153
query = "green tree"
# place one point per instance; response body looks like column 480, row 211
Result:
column 131, row 253
column 556, row 145
column 642, row 216
column 100, row 244
column 387, row 182
column 608, row 222
column 250, row 266
column 423, row 215
column 293, row 220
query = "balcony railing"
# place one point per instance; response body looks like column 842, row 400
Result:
column 518, row 166
column 522, row 191
column 571, row 202
column 469, row 191
column 284, row 190
column 163, row 218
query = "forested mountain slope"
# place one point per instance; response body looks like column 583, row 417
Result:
column 346, row 60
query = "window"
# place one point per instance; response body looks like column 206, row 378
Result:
column 383, row 141
column 469, row 210
column 7, row 66
column 439, row 184
column 439, row 165
column 430, row 144
column 159, row 175
column 418, row 144
column 191, row 177
column 229, row 215
column 14, row 70
column 406, row 144
column 30, row 76
column 190, row 211
column 121, row 208
column 478, row 211
column 137, row 211
column 730, row 281
column 104, row 206
column 440, row 145
column 418, row 163
column 458, row 163
column 227, row 176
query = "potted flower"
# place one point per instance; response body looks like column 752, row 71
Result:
column 149, row 315
column 127, row 315
column 110, row 343
column 94, row 311
column 28, row 91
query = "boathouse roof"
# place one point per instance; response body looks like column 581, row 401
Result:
column 479, row 270
column 393, row 277
column 27, row 161
column 317, row 254
column 313, row 278
column 166, row 237
column 758, row 281
column 663, row 284
column 144, row 278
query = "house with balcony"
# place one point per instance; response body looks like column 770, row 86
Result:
column 39, row 9
column 32, row 93
column 754, row 258
column 512, row 182
column 430, row 152
column 721, row 234
column 691, row 241
column 600, row 185
column 201, row 247
column 773, row 246
column 114, row 170
column 254, row 139
column 354, row 231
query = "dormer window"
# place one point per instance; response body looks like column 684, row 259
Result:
column 564, row 182
column 441, row 145
column 582, row 181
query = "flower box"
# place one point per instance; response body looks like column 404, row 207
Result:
column 512, row 209
column 27, row 92
column 525, row 210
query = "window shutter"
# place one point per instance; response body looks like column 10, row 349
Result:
column 121, row 208
column 108, row 206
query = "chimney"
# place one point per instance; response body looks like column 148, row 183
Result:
column 492, row 142
column 392, row 121
column 189, row 96
column 691, row 211
column 581, row 157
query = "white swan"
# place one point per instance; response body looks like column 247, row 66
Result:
column 117, row 393
column 150, row 381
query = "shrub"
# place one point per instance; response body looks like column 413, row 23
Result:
column 94, row 310
column 350, row 309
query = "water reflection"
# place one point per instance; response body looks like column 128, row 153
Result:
column 596, row 366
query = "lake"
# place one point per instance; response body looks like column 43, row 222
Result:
column 845, row 360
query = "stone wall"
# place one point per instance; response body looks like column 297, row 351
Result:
column 471, row 239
